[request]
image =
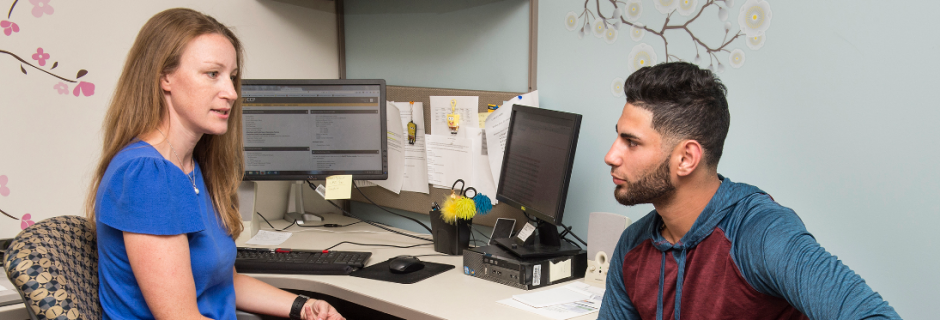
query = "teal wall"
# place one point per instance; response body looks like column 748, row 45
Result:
column 465, row 44
column 833, row 115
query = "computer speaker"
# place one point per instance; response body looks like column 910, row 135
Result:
column 247, row 196
column 604, row 230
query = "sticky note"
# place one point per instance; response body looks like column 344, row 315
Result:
column 338, row 187
column 483, row 116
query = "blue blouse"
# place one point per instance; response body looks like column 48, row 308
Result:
column 141, row 192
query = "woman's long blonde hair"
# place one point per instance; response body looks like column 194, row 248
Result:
column 138, row 107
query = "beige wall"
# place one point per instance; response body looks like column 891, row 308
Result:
column 49, row 142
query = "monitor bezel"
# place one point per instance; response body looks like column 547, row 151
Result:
column 569, row 164
column 383, row 114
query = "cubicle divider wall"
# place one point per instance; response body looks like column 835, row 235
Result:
column 420, row 202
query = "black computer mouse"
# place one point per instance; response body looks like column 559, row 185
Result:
column 404, row 264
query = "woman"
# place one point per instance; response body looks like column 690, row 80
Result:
column 164, row 196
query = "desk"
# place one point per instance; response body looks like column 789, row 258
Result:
column 450, row 295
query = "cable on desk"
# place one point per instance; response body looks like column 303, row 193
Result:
column 481, row 233
column 568, row 231
column 373, row 223
column 272, row 227
column 377, row 245
column 386, row 210
column 562, row 234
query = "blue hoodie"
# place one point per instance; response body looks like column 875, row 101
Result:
column 745, row 257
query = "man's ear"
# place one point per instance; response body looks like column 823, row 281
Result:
column 688, row 154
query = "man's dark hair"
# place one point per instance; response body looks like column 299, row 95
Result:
column 687, row 102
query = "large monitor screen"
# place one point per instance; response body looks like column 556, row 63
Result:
column 312, row 129
column 537, row 162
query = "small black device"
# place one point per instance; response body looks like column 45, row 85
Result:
column 495, row 264
column 502, row 229
column 288, row 261
column 404, row 264
column 536, row 170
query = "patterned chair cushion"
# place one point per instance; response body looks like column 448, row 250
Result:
column 54, row 266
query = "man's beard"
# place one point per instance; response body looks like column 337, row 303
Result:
column 648, row 188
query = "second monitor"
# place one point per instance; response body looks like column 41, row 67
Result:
column 536, row 170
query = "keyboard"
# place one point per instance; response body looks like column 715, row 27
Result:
column 287, row 261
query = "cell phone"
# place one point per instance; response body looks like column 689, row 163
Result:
column 502, row 229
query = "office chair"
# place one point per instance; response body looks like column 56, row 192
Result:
column 54, row 266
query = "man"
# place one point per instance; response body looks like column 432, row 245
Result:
column 712, row 248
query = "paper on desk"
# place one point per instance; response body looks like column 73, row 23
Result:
column 396, row 158
column 496, row 129
column 467, row 107
column 552, row 296
column 558, row 311
column 415, row 176
column 338, row 187
column 269, row 238
column 482, row 179
column 449, row 159
column 572, row 300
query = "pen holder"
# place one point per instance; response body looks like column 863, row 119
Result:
column 449, row 238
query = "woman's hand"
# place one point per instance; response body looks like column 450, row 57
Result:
column 319, row 310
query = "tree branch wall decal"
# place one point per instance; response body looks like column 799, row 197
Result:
column 753, row 19
column 40, row 8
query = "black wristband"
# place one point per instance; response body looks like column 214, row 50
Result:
column 298, row 306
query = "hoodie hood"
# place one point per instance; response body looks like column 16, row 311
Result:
column 721, row 204
column 719, row 207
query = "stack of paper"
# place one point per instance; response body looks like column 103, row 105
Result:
column 572, row 300
column 473, row 154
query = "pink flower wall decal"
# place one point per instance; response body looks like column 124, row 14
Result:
column 41, row 7
column 86, row 88
column 4, row 190
column 40, row 56
column 9, row 27
column 62, row 88
column 26, row 221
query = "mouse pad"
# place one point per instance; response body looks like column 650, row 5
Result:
column 379, row 271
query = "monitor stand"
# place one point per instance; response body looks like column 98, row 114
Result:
column 546, row 243
column 295, row 206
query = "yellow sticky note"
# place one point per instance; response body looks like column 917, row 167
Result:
column 483, row 116
column 338, row 187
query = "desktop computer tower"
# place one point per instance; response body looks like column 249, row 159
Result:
column 495, row 264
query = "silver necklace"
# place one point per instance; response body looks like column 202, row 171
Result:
column 192, row 178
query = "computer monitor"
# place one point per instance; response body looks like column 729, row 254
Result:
column 536, row 170
column 312, row 129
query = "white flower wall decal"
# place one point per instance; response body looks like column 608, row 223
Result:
column 611, row 35
column 687, row 7
column 755, row 17
column 736, row 58
column 633, row 10
column 637, row 32
column 616, row 87
column 756, row 42
column 599, row 27
column 666, row 6
column 571, row 21
column 642, row 55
